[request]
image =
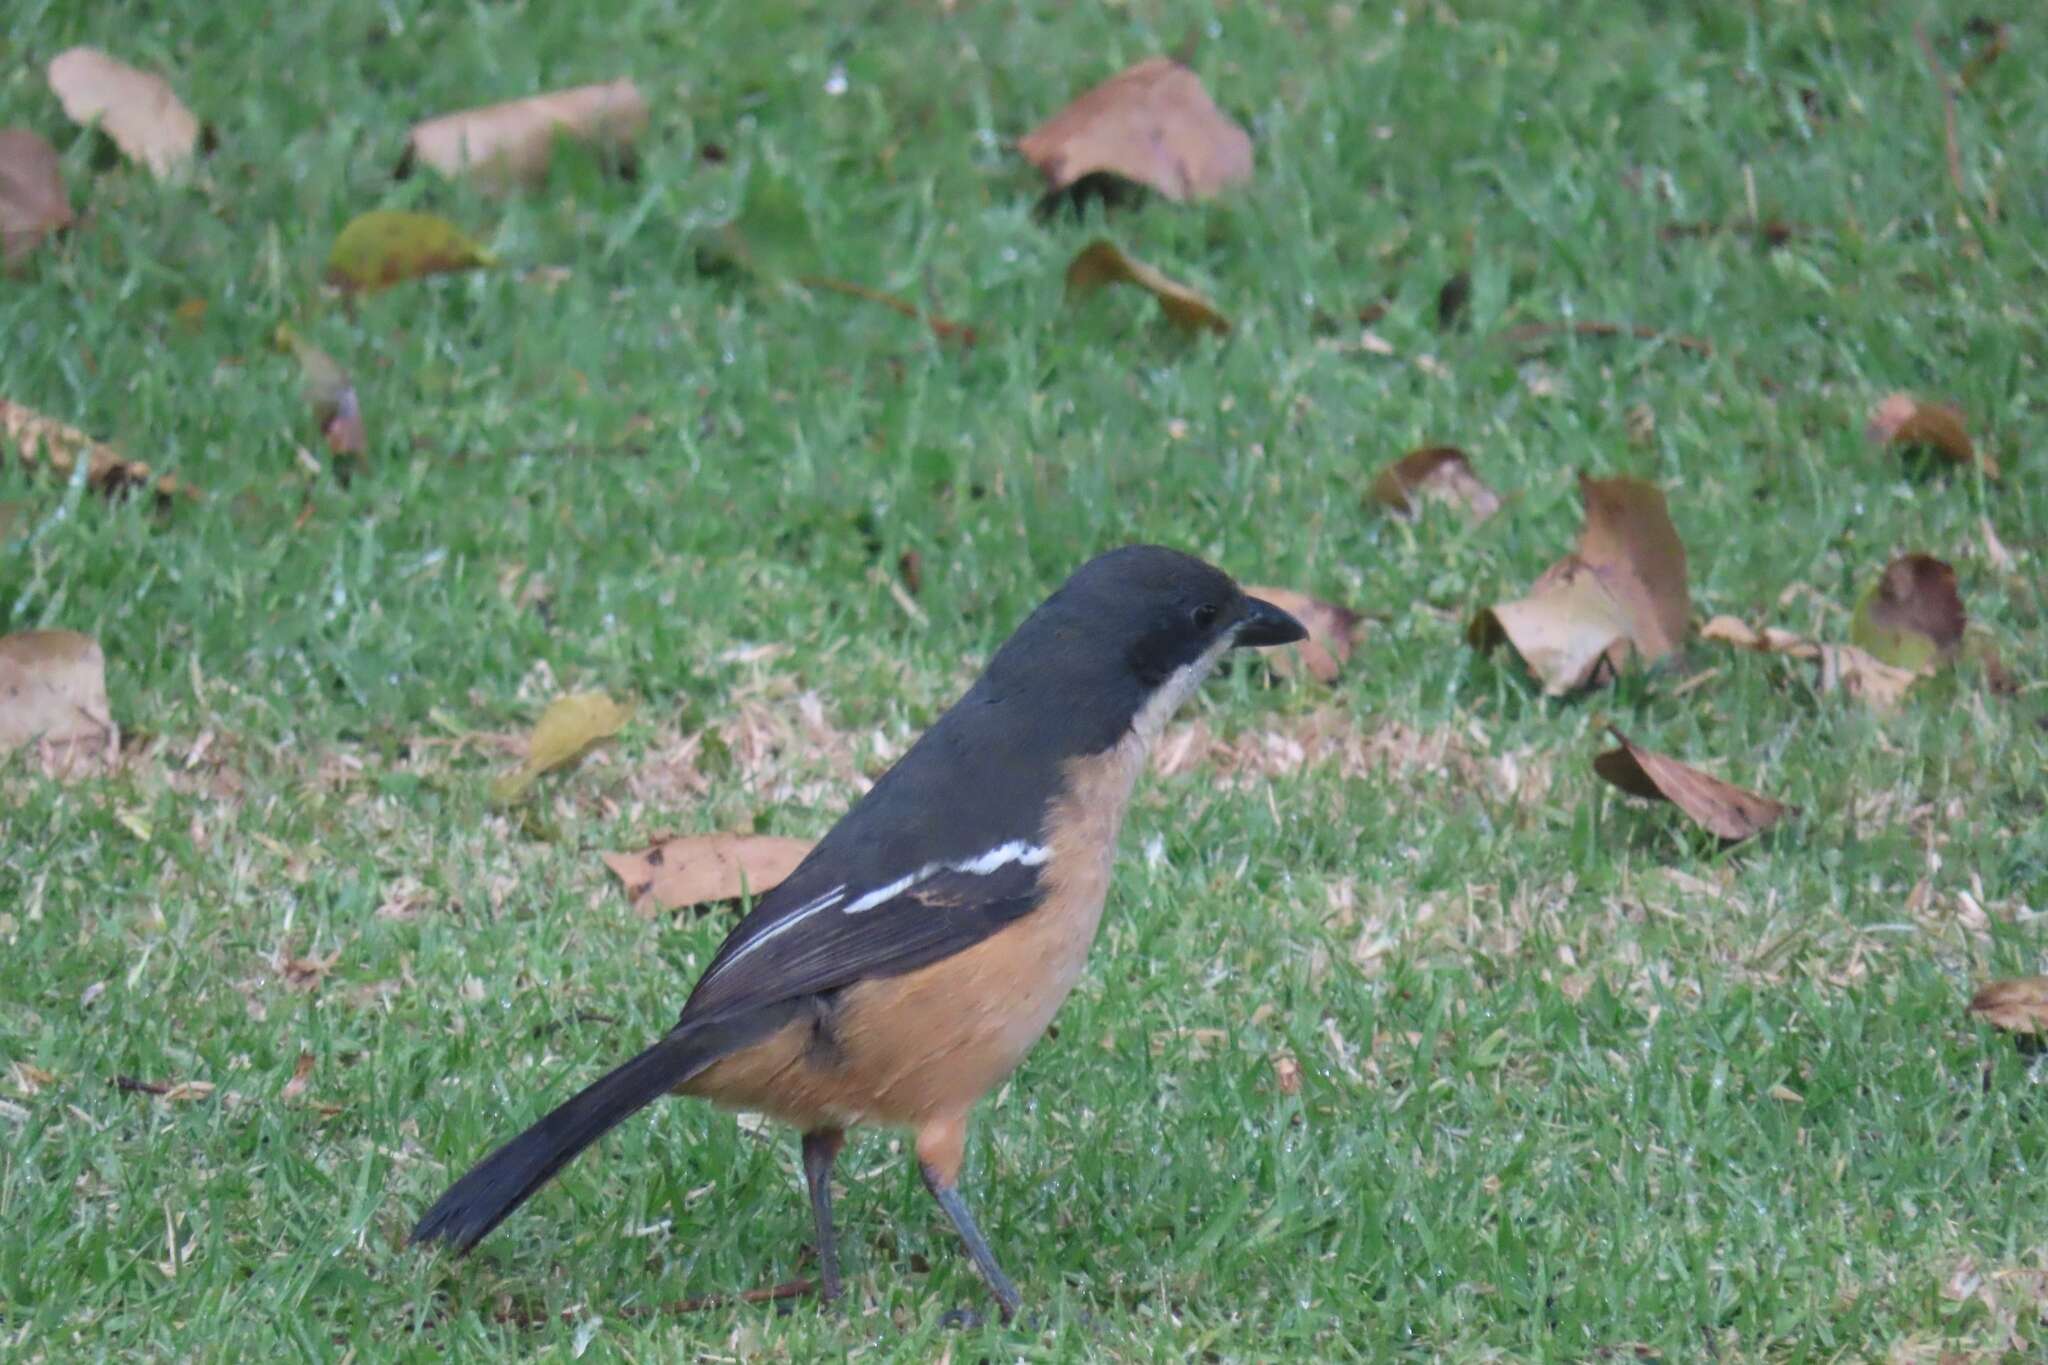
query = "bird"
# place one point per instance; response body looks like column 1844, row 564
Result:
column 921, row 948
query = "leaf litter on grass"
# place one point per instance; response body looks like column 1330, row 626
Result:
column 388, row 246
column 53, row 695
column 1621, row 591
column 1908, row 425
column 33, row 201
column 1153, row 124
column 569, row 727
column 138, row 110
column 1442, row 474
column 508, row 146
column 1913, row 617
column 705, row 869
column 2014, row 1005
column 1728, row 812
column 1846, row 668
column 45, row 442
column 1102, row 262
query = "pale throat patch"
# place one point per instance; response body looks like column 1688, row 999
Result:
column 1178, row 687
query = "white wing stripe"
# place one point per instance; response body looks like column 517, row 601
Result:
column 889, row 892
column 1001, row 856
column 796, row 917
column 997, row 858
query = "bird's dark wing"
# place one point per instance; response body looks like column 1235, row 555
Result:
column 845, row 933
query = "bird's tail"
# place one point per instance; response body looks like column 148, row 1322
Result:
column 505, row 1179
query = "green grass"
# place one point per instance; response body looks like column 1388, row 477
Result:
column 1546, row 1036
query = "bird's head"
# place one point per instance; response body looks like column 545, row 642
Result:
column 1131, row 633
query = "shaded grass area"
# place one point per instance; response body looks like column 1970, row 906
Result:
column 1571, row 1077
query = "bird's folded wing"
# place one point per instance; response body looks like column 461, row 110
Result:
column 803, row 939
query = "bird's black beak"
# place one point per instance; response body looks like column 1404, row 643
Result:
column 1266, row 624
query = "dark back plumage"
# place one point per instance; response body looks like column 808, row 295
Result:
column 1067, row 683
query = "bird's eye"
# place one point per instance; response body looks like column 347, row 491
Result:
column 1205, row 616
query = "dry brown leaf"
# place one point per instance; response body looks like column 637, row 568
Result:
column 40, row 439
column 301, row 1074
column 1628, row 539
column 564, row 732
column 2018, row 1005
column 701, row 869
column 1103, row 262
column 53, row 694
column 1333, row 633
column 1287, row 1073
column 504, row 146
column 1570, row 630
column 137, row 109
column 305, row 973
column 1440, row 473
column 1845, row 667
column 1913, row 618
column 33, row 200
column 1153, row 124
column 184, row 1092
column 1907, row 423
column 1769, row 640
column 1721, row 808
column 1868, row 679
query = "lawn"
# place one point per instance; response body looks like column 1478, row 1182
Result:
column 1405, row 1037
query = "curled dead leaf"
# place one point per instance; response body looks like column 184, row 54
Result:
column 51, row 443
column 569, row 727
column 1913, row 618
column 1628, row 539
column 1434, row 473
column 1102, row 262
column 1769, row 640
column 33, row 200
column 53, row 694
column 1843, row 667
column 504, row 146
column 1721, row 808
column 704, row 869
column 1569, row 630
column 2016, row 1005
column 380, row 248
column 1153, row 124
column 137, row 109
column 1333, row 633
column 1908, row 424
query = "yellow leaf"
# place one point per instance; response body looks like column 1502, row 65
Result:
column 385, row 246
column 569, row 727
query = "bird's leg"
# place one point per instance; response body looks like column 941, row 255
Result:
column 940, row 1146
column 821, row 1149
